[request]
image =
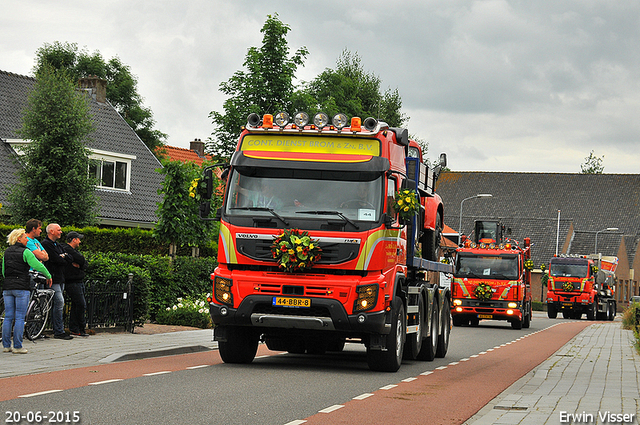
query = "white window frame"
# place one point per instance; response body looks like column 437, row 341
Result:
column 105, row 156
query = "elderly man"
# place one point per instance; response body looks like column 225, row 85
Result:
column 58, row 260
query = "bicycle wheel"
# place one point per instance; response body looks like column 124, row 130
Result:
column 37, row 315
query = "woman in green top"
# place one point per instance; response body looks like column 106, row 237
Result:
column 15, row 268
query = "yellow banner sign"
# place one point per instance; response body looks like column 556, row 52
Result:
column 304, row 143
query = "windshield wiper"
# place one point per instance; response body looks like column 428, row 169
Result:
column 338, row 213
column 275, row 214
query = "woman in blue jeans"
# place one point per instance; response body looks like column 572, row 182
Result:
column 15, row 268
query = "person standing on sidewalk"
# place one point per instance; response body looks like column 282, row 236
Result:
column 16, row 262
column 33, row 229
column 57, row 262
column 74, row 286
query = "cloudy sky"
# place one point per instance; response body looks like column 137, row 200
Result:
column 498, row 85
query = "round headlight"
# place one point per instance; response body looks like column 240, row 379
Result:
column 301, row 119
column 281, row 119
column 339, row 121
column 321, row 120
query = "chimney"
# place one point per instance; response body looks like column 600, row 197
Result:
column 197, row 146
column 96, row 86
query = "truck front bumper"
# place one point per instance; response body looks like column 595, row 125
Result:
column 323, row 315
column 493, row 310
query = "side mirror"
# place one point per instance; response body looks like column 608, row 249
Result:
column 207, row 184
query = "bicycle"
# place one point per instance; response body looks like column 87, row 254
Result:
column 40, row 302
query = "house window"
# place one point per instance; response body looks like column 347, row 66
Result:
column 111, row 170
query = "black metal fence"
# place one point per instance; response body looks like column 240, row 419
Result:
column 109, row 304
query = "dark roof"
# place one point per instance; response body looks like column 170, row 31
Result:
column 112, row 134
column 528, row 203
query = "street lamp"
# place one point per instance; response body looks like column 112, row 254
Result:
column 608, row 229
column 479, row 195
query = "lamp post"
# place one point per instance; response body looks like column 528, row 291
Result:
column 608, row 229
column 479, row 195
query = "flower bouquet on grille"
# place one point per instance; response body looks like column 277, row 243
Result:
column 294, row 250
column 483, row 291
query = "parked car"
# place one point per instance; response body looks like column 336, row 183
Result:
column 634, row 299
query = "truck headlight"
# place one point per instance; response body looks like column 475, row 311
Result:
column 512, row 305
column 222, row 290
column 367, row 296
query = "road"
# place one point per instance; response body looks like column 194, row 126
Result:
column 285, row 388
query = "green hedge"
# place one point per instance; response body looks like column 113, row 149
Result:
column 123, row 240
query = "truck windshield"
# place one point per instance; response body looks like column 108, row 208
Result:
column 357, row 196
column 567, row 270
column 487, row 266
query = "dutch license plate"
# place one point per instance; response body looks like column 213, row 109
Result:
column 485, row 316
column 291, row 302
column 567, row 304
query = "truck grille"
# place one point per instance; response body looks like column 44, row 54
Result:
column 332, row 253
column 285, row 311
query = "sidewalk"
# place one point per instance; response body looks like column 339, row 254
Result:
column 47, row 355
column 595, row 374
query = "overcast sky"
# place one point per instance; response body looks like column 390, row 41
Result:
column 498, row 85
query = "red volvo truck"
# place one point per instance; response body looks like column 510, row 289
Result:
column 492, row 278
column 312, row 252
column 582, row 284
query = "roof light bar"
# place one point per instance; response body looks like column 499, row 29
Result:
column 340, row 121
column 301, row 119
column 320, row 120
column 281, row 119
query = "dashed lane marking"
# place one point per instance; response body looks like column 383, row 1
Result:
column 40, row 393
column 108, row 381
column 331, row 408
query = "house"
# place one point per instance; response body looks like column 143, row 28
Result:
column 560, row 212
column 194, row 154
column 126, row 169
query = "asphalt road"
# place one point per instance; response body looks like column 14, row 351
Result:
column 285, row 388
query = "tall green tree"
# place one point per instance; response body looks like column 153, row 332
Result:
column 122, row 85
column 265, row 86
column 351, row 90
column 179, row 221
column 52, row 184
column 592, row 164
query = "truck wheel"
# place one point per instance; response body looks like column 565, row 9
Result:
column 241, row 345
column 526, row 320
column 552, row 313
column 612, row 310
column 413, row 345
column 516, row 324
column 591, row 311
column 391, row 359
column 430, row 344
column 431, row 241
column 445, row 330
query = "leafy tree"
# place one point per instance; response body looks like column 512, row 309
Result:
column 53, row 184
column 266, row 86
column 122, row 85
column 179, row 221
column 351, row 90
column 592, row 165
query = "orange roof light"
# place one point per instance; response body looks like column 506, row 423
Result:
column 267, row 121
column 356, row 124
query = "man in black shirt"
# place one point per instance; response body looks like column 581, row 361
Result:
column 73, row 285
column 56, row 264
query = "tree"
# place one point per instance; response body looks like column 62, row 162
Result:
column 122, row 85
column 266, row 86
column 592, row 165
column 349, row 89
column 179, row 221
column 52, row 182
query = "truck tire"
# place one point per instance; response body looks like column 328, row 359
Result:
column 391, row 359
column 445, row 330
column 592, row 310
column 526, row 321
column 241, row 345
column 430, row 343
column 612, row 310
column 413, row 345
column 552, row 313
column 516, row 324
column 431, row 241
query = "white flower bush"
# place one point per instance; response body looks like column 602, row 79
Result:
column 188, row 311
